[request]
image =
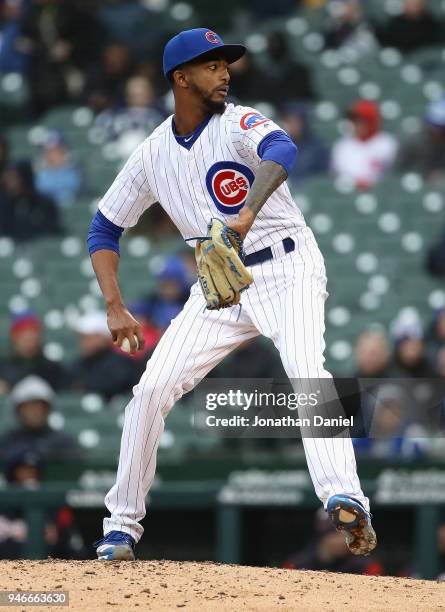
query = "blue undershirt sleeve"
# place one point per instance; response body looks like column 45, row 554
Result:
column 278, row 147
column 103, row 234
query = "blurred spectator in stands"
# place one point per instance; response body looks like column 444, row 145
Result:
column 63, row 539
column 156, row 224
column 393, row 431
column 410, row 359
column 129, row 125
column 372, row 361
column 25, row 214
column 253, row 359
column 436, row 333
column 57, row 176
column 372, row 355
column 365, row 154
column 286, row 79
column 188, row 258
column 246, row 80
column 105, row 83
column 33, row 400
column 327, row 551
column 99, row 369
column 24, row 467
column 14, row 50
column 64, row 39
column 425, row 152
column 140, row 25
column 439, row 362
column 313, row 154
column 4, row 155
column 26, row 355
column 172, row 291
column 264, row 9
column 283, row 79
column 350, row 32
column 435, row 260
column 414, row 28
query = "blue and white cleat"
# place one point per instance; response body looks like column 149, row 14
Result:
column 115, row 546
column 349, row 516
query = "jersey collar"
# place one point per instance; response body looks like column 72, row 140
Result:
column 188, row 140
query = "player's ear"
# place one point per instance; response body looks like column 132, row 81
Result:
column 180, row 78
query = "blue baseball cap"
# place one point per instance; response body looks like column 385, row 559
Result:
column 190, row 44
column 54, row 138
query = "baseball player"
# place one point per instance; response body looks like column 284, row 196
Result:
column 219, row 172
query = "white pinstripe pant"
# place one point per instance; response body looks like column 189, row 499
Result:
column 286, row 304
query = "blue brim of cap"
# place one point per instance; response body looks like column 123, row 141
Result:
column 231, row 53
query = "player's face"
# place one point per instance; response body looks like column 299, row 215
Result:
column 209, row 80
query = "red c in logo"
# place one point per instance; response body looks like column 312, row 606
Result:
column 229, row 189
column 212, row 37
column 228, row 184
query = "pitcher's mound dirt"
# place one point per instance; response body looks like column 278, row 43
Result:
column 209, row 587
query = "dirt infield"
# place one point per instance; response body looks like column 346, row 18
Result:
column 206, row 587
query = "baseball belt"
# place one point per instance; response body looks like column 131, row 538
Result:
column 265, row 254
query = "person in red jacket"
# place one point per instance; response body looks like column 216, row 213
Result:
column 365, row 154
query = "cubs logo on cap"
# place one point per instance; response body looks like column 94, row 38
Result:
column 251, row 120
column 228, row 184
column 212, row 37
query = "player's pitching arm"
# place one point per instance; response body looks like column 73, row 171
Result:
column 120, row 322
column 270, row 175
column 122, row 205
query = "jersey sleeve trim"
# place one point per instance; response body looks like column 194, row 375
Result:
column 278, row 147
column 103, row 234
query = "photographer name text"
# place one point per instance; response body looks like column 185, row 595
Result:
column 283, row 421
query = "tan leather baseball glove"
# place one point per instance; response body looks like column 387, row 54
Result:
column 221, row 271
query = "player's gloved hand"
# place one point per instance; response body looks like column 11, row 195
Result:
column 221, row 271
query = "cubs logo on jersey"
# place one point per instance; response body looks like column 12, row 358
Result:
column 228, row 184
column 251, row 120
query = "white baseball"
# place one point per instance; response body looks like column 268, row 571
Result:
column 125, row 346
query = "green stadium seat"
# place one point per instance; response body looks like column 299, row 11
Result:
column 77, row 218
column 8, row 420
column 100, row 174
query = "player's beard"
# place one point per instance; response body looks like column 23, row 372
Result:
column 214, row 107
column 210, row 105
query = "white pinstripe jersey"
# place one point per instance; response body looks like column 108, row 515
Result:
column 212, row 179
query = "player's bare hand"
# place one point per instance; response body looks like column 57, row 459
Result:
column 243, row 222
column 123, row 325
